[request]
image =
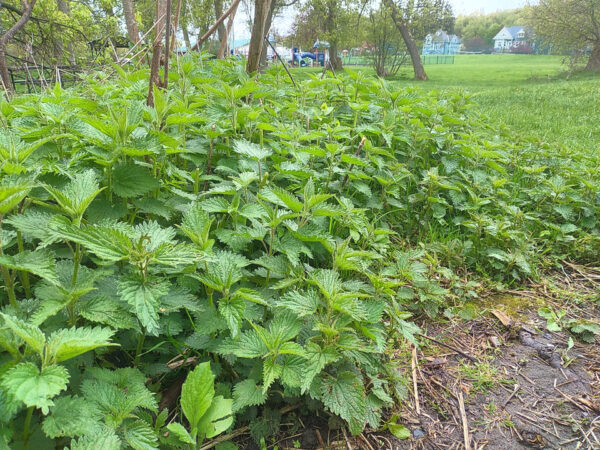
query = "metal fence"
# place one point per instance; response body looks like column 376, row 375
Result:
column 437, row 59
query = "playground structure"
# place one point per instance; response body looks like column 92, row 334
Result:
column 319, row 55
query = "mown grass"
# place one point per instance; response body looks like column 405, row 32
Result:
column 528, row 93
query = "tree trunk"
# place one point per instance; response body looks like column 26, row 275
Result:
column 334, row 59
column 10, row 33
column 219, row 13
column 161, row 11
column 223, row 45
column 594, row 61
column 268, row 22
column 408, row 40
column 64, row 8
column 186, row 37
column 176, row 25
column 261, row 9
column 133, row 31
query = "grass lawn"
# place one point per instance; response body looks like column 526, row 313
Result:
column 528, row 93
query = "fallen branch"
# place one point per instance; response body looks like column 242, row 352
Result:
column 414, row 378
column 279, row 57
column 212, row 29
column 460, row 352
column 465, row 423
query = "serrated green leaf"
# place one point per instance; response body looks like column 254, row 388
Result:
column 68, row 343
column 38, row 262
column 344, row 395
column 247, row 393
column 25, row 382
column 131, row 180
column 71, row 416
column 105, row 439
column 140, row 436
column 31, row 334
column 144, row 297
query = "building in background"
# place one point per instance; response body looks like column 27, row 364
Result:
column 441, row 43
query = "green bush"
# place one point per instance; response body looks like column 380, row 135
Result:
column 284, row 235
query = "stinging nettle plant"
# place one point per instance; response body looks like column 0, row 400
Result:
column 254, row 245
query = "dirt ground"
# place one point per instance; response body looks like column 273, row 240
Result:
column 499, row 381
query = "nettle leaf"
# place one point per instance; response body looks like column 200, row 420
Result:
column 38, row 262
column 302, row 303
column 144, row 297
column 105, row 439
column 71, row 342
column 71, row 416
column 247, row 344
column 31, row 334
column 316, row 360
column 232, row 310
column 247, row 393
column 251, row 150
column 25, row 382
column 131, row 180
column 118, row 392
column 106, row 310
column 108, row 243
column 197, row 393
column 76, row 196
column 12, row 191
column 344, row 395
column 140, row 435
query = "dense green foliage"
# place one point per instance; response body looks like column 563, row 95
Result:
column 286, row 236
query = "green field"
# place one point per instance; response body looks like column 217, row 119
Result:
column 528, row 93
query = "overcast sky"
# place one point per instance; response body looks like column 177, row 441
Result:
column 283, row 23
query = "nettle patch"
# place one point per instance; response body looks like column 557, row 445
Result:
column 273, row 242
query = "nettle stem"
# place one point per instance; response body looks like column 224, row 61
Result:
column 8, row 281
column 26, row 427
column 138, row 349
column 23, row 275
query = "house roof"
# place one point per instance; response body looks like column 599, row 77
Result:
column 513, row 31
column 441, row 36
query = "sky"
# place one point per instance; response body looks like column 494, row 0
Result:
column 283, row 23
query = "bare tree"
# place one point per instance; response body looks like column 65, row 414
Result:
column 161, row 13
column 223, row 45
column 571, row 26
column 7, row 36
column 133, row 31
column 261, row 11
column 413, row 51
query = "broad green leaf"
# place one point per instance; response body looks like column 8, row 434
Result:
column 217, row 418
column 140, row 436
column 31, row 334
column 247, row 393
column 38, row 262
column 25, row 382
column 251, row 150
column 11, row 193
column 71, row 416
column 197, row 393
column 105, row 439
column 131, row 180
column 344, row 395
column 398, row 430
column 68, row 343
column 144, row 297
column 182, row 434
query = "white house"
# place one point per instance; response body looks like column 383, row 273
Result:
column 509, row 37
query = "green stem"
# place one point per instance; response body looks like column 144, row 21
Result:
column 138, row 350
column 26, row 427
column 23, row 275
column 8, row 282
